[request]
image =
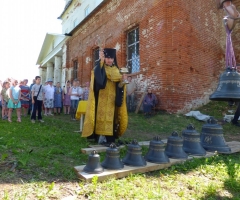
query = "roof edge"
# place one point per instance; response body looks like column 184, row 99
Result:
column 94, row 11
column 65, row 9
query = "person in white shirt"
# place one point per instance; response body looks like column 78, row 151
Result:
column 80, row 90
column 49, row 98
column 75, row 92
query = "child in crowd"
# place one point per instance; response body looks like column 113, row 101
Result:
column 4, row 95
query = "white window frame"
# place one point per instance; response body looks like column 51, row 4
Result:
column 87, row 11
column 74, row 23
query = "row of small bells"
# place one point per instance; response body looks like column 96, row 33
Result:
column 191, row 142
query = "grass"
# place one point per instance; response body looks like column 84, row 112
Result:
column 37, row 160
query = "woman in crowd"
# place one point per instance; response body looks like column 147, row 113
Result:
column 80, row 90
column 4, row 95
column 57, row 99
column 25, row 96
column 14, row 101
column 149, row 101
column 49, row 98
column 66, row 98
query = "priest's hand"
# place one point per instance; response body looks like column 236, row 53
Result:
column 101, row 55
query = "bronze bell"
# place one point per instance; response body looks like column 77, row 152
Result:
column 156, row 152
column 212, row 137
column 191, row 141
column 134, row 155
column 93, row 165
column 228, row 87
column 112, row 160
column 174, row 148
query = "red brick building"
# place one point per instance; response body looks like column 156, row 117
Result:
column 176, row 47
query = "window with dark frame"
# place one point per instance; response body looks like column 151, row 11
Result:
column 133, row 58
column 75, row 69
column 95, row 56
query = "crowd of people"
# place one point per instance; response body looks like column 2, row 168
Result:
column 53, row 100
column 37, row 98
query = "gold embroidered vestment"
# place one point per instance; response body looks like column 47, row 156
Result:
column 107, row 112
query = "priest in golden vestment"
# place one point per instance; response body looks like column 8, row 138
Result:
column 106, row 113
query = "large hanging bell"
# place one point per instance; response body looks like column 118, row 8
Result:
column 174, row 148
column 212, row 137
column 93, row 165
column 228, row 87
column 191, row 141
column 134, row 155
column 112, row 160
column 156, row 152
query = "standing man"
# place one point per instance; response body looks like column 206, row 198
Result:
column 106, row 109
column 30, row 99
column 131, row 88
column 37, row 99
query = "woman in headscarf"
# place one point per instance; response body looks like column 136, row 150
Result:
column 149, row 101
column 66, row 98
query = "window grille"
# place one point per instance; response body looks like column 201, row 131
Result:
column 133, row 58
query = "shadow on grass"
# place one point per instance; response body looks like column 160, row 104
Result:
column 231, row 183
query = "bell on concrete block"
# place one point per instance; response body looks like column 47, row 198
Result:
column 212, row 137
column 174, row 148
column 112, row 160
column 93, row 165
column 156, row 152
column 134, row 155
column 228, row 88
column 191, row 141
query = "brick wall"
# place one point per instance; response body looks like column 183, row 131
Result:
column 182, row 45
column 236, row 35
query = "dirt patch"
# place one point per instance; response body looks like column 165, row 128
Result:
column 229, row 137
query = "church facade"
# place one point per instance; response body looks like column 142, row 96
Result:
column 175, row 47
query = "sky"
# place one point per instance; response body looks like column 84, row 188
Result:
column 24, row 24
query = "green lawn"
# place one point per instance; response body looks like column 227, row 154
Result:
column 37, row 160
